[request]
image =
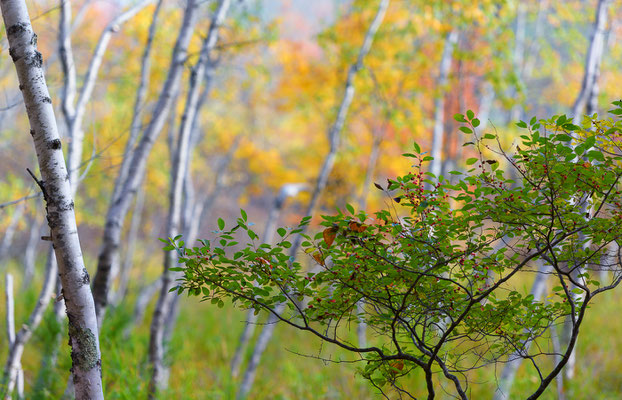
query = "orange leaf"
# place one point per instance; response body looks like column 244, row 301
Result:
column 357, row 227
column 329, row 235
column 318, row 257
column 397, row 365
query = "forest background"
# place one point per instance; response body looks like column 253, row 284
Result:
column 273, row 81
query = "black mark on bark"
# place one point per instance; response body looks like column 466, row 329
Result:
column 46, row 100
column 17, row 28
column 85, row 277
column 54, row 144
column 14, row 56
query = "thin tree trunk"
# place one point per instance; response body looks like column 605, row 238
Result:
column 119, row 207
column 438, row 134
column 333, row 137
column 139, row 103
column 128, row 261
column 159, row 376
column 593, row 59
column 506, row 379
column 286, row 191
column 83, row 332
column 30, row 252
column 589, row 89
column 10, row 331
column 9, row 233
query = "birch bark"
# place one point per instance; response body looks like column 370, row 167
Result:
column 438, row 134
column 83, row 332
column 119, row 207
column 156, row 344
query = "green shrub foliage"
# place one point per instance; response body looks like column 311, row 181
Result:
column 436, row 270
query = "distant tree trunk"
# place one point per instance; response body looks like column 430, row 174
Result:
column 586, row 98
column 506, row 379
column 83, row 332
column 119, row 207
column 30, row 252
column 333, row 137
column 10, row 334
column 9, row 233
column 286, row 191
column 163, row 306
column 438, row 134
column 128, row 261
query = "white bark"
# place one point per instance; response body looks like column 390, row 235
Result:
column 139, row 103
column 286, row 191
column 593, row 59
column 30, row 252
column 10, row 333
column 438, row 134
column 506, row 379
column 119, row 207
column 163, row 307
column 333, row 136
column 9, row 233
column 83, row 331
column 76, row 115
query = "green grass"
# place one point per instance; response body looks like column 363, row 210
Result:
column 205, row 338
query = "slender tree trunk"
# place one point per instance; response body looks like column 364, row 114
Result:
column 9, row 233
column 286, row 191
column 506, row 379
column 593, row 59
column 139, row 103
column 333, row 137
column 30, row 252
column 83, row 332
column 163, row 306
column 586, row 97
column 128, row 261
column 436, row 165
column 10, row 333
column 119, row 207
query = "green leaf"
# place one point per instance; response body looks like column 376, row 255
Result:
column 459, row 118
column 417, row 148
column 521, row 124
column 475, row 123
column 471, row 161
column 465, row 129
column 221, row 224
column 350, row 208
column 281, row 232
column 596, row 155
column 470, row 114
column 244, row 216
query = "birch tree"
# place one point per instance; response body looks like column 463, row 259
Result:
column 159, row 376
column 334, row 136
column 83, row 330
column 129, row 182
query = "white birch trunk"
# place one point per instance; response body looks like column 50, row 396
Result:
column 156, row 344
column 506, row 379
column 83, row 331
column 10, row 333
column 333, row 137
column 119, row 207
column 9, row 233
column 438, row 134
column 286, row 191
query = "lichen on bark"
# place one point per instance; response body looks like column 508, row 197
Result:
column 87, row 357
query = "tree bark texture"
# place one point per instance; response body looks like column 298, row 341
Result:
column 83, row 332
